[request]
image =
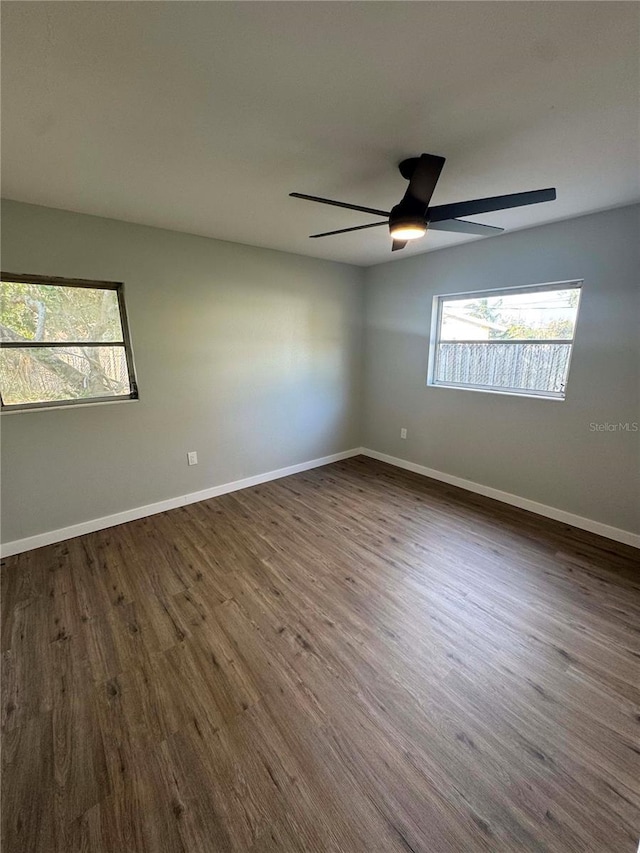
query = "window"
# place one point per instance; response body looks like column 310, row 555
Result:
column 511, row 341
column 63, row 342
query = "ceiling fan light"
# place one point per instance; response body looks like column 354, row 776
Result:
column 407, row 220
column 405, row 231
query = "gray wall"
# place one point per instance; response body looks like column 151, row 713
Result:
column 254, row 359
column 539, row 449
column 249, row 356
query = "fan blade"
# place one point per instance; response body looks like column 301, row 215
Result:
column 463, row 227
column 425, row 177
column 398, row 244
column 486, row 205
column 341, row 204
column 344, row 230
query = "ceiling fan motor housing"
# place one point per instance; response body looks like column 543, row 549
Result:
column 409, row 213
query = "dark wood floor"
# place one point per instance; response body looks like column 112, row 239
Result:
column 350, row 659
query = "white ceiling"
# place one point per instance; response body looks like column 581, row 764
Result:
column 202, row 117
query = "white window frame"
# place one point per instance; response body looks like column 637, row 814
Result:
column 434, row 339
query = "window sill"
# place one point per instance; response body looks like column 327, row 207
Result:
column 73, row 405
column 526, row 394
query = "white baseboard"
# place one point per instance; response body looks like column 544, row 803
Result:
column 624, row 536
column 52, row 536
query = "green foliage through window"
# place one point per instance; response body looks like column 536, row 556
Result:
column 62, row 343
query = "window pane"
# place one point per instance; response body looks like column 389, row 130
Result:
column 538, row 315
column 45, row 312
column 48, row 374
column 519, row 366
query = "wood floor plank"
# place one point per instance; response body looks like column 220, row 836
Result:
column 79, row 763
column 26, row 677
column 28, row 790
column 348, row 660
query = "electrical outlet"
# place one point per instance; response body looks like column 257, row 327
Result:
column 192, row 457
column 403, row 433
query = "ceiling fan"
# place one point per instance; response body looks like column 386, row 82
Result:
column 411, row 218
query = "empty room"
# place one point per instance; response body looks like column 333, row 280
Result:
column 320, row 427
